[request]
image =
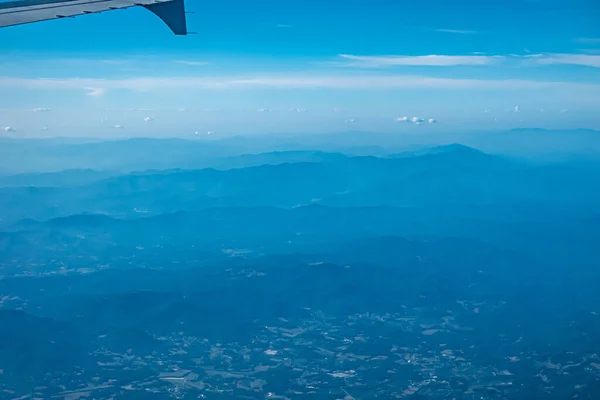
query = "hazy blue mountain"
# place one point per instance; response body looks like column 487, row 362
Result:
column 75, row 177
column 249, row 232
column 458, row 295
column 544, row 144
column 299, row 268
column 455, row 175
column 54, row 155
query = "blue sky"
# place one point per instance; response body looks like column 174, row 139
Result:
column 306, row 66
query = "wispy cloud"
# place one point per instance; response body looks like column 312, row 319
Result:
column 415, row 120
column 428, row 60
column 357, row 61
column 86, row 61
column 133, row 109
column 40, row 109
column 589, row 60
column 590, row 51
column 587, row 40
column 457, row 31
column 94, row 91
column 284, row 26
column 96, row 87
column 191, row 63
column 114, row 62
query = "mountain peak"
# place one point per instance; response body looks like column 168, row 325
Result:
column 454, row 148
column 87, row 220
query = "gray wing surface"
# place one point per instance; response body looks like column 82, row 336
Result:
column 171, row 12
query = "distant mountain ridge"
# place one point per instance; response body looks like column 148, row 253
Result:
column 350, row 266
column 47, row 155
column 215, row 233
column 453, row 174
column 73, row 177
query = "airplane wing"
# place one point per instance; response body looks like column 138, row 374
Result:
column 171, row 12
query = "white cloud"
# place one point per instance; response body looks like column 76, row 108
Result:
column 590, row 51
column 131, row 109
column 350, row 121
column 263, row 110
column 118, row 126
column 428, row 60
column 94, row 91
column 45, row 128
column 298, row 110
column 9, row 129
column 340, row 81
column 415, row 120
column 588, row 40
column 588, row 60
column 148, row 119
column 40, row 109
column 115, row 62
column 191, row 63
column 517, row 108
column 182, row 109
column 457, row 31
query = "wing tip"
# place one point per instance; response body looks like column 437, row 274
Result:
column 172, row 13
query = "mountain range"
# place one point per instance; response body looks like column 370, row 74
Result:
column 215, row 269
column 452, row 175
